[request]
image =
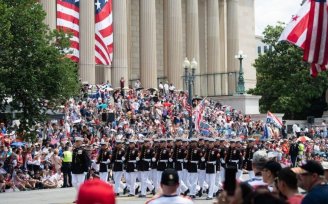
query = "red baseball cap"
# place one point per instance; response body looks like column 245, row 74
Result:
column 96, row 191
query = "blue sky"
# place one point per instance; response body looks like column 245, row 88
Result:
column 268, row 12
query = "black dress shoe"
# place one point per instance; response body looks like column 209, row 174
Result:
column 193, row 196
column 153, row 191
column 186, row 192
column 208, row 198
column 117, row 194
column 142, row 196
column 130, row 195
column 125, row 190
column 137, row 190
column 200, row 192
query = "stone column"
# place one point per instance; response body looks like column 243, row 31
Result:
column 174, row 43
column 193, row 39
column 232, row 41
column 213, row 47
column 87, row 41
column 148, row 54
column 223, row 45
column 120, row 53
column 49, row 6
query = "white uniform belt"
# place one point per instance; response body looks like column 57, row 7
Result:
column 147, row 160
column 250, row 160
column 235, row 161
column 132, row 161
column 194, row 162
column 118, row 161
column 180, row 160
column 163, row 160
column 211, row 162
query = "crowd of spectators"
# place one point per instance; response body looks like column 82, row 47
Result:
column 105, row 114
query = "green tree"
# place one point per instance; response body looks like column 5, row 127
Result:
column 34, row 72
column 283, row 78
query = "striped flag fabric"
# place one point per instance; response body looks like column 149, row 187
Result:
column 103, row 32
column 198, row 112
column 68, row 21
column 272, row 119
column 308, row 30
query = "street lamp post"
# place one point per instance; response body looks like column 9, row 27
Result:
column 189, row 78
column 241, row 82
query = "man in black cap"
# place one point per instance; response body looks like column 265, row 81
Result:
column 311, row 178
column 169, row 185
column 103, row 160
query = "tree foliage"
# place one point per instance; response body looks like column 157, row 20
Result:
column 34, row 73
column 283, row 78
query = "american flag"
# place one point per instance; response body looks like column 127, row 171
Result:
column 308, row 30
column 104, row 32
column 68, row 17
column 198, row 112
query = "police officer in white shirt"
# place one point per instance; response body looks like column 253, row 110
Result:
column 169, row 186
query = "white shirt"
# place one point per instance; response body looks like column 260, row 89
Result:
column 170, row 199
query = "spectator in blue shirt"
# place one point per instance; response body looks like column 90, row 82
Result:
column 311, row 178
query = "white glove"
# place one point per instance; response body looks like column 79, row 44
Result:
column 185, row 160
column 137, row 159
column 123, row 158
column 170, row 160
column 202, row 159
column 153, row 159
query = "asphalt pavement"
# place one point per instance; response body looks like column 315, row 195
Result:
column 65, row 196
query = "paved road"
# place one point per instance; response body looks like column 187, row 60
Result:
column 63, row 196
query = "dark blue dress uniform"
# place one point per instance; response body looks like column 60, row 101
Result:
column 249, row 152
column 104, row 156
column 163, row 156
column 80, row 161
column 132, row 155
column 223, row 152
column 233, row 158
column 153, row 164
column 116, row 160
column 146, row 156
column 179, row 154
column 212, row 159
column 193, row 159
column 202, row 164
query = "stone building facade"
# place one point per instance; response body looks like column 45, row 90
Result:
column 153, row 37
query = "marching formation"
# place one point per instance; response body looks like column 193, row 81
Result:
column 200, row 163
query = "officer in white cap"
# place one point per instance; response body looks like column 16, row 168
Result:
column 80, row 163
column 103, row 160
